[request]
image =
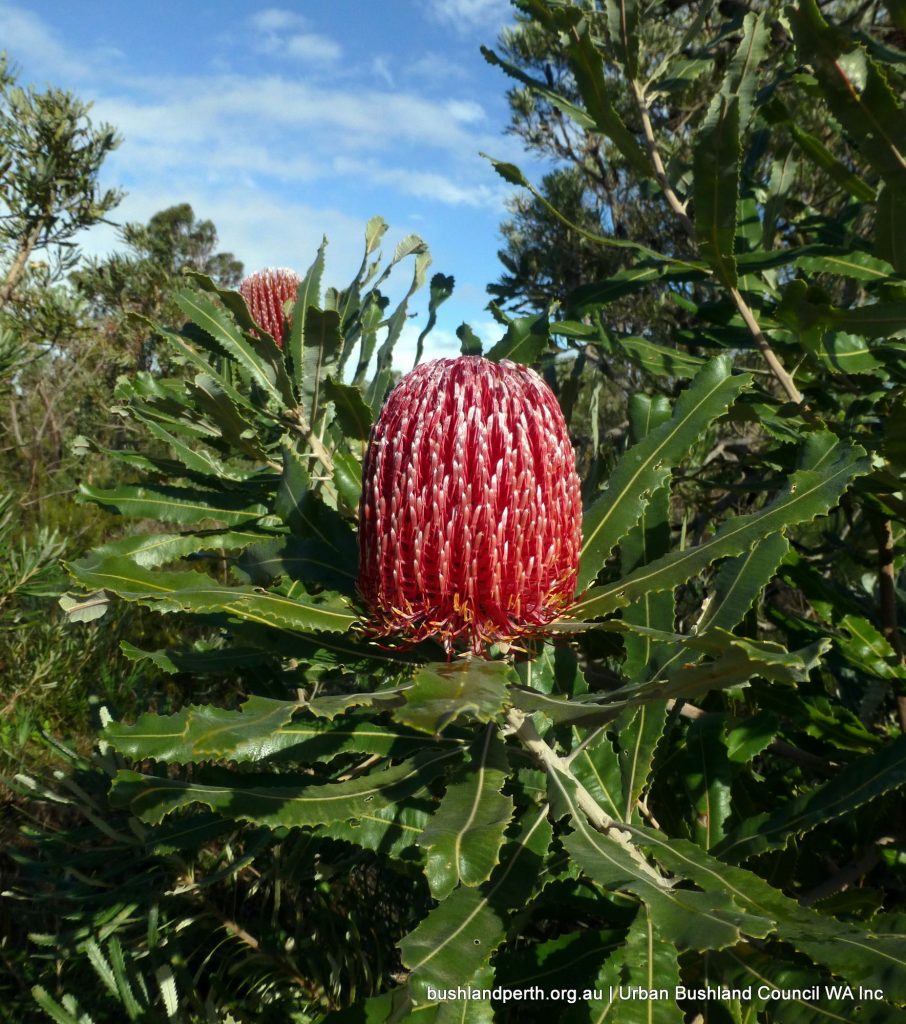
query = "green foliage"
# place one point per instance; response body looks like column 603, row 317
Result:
column 693, row 777
column 50, row 157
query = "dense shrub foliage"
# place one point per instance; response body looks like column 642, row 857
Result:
column 691, row 781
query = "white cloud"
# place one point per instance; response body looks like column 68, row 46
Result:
column 235, row 128
column 26, row 35
column 441, row 343
column 260, row 229
column 422, row 184
column 285, row 33
column 466, row 111
column 276, row 19
column 310, row 46
column 468, row 15
column 275, row 160
column 381, row 67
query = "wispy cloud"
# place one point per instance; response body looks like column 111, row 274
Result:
column 284, row 33
column 26, row 35
column 291, row 137
column 469, row 15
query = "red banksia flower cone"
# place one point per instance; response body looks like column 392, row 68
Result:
column 471, row 518
column 265, row 292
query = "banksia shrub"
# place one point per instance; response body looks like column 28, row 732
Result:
column 265, row 293
column 470, row 519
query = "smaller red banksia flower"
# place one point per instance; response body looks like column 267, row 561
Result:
column 265, row 292
column 471, row 518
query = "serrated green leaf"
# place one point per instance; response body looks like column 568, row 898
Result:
column 775, row 112
column 166, row 982
column 263, row 362
column 390, row 831
column 149, row 550
column 588, row 69
column 707, row 779
column 581, row 117
column 658, row 359
column 647, row 961
column 462, row 932
column 439, row 694
column 845, row 353
column 646, row 466
column 741, row 76
column 320, row 350
column 862, row 780
column 53, row 1009
column 878, row 320
column 736, row 587
column 647, row 540
column 353, row 414
column 598, row 768
column 890, row 226
column 279, row 800
column 639, row 730
column 808, row 494
column 716, row 163
column 770, row 971
column 196, row 592
column 623, row 29
column 587, row 297
column 308, row 294
column 872, row 116
column 694, row 920
column 441, row 289
column 177, row 504
column 347, row 477
column 261, row 730
column 525, row 339
column 198, row 660
column 858, row 954
column 869, row 649
column 856, row 265
column 462, row 840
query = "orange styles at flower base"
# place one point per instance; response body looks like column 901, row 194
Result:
column 470, row 518
column 265, row 293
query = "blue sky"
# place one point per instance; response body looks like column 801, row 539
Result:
column 285, row 122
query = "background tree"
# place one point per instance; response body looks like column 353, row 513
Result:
column 50, row 159
column 140, row 279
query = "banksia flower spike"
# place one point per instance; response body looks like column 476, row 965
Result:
column 265, row 292
column 470, row 518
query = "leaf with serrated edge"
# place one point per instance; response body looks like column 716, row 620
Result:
column 646, row 466
column 196, row 592
column 262, row 729
column 716, row 186
column 649, row 962
column 439, row 694
column 461, row 933
column 862, row 780
column 807, row 495
column 694, row 920
column 281, row 802
column 859, row 954
column 177, row 504
column 463, row 838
